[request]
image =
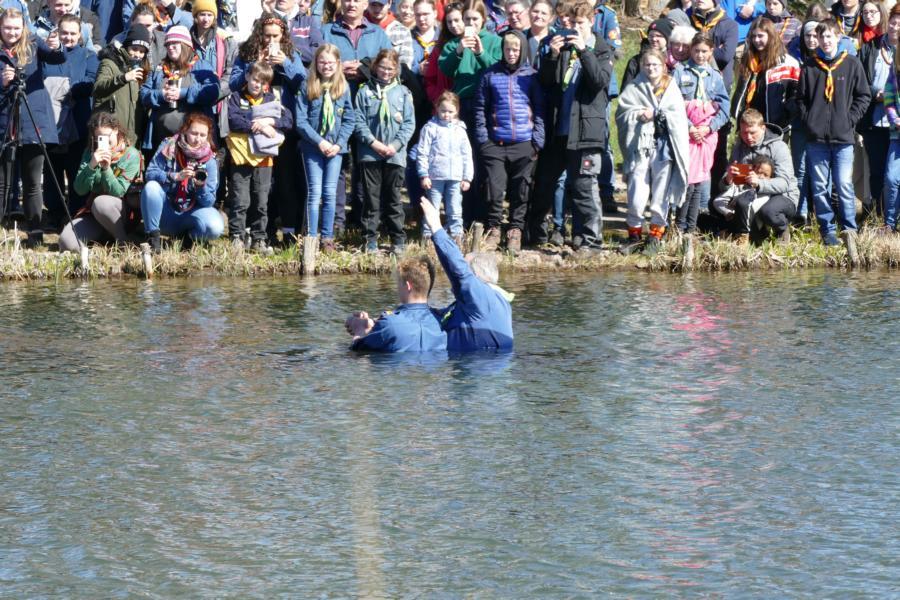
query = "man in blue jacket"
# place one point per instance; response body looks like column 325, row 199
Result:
column 481, row 317
column 412, row 326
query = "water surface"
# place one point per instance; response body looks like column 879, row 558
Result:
column 728, row 436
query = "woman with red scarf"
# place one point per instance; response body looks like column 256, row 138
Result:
column 181, row 185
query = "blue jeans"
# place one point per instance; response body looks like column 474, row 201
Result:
column 892, row 185
column 559, row 202
column 448, row 192
column 798, row 153
column 827, row 161
column 200, row 223
column 321, row 189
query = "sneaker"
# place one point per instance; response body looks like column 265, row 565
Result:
column 371, row 246
column 262, row 248
column 557, row 238
column 830, row 239
column 491, row 240
column 154, row 241
column 514, row 240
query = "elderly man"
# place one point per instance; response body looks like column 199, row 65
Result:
column 412, row 326
column 481, row 317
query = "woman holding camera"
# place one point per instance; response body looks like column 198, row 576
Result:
column 108, row 168
column 181, row 184
column 181, row 84
column 122, row 71
column 21, row 67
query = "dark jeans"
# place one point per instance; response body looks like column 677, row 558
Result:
column 720, row 159
column 248, row 193
column 31, row 161
column 697, row 196
column 876, row 142
column 582, row 168
column 381, row 183
column 776, row 213
column 283, row 197
column 508, row 171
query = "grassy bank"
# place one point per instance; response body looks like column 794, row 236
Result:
column 218, row 258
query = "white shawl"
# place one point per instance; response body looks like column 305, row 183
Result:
column 636, row 137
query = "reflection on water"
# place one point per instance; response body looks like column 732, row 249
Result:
column 713, row 435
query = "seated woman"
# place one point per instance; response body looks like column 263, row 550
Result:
column 108, row 168
column 181, row 185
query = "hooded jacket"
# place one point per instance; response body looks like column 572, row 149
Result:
column 444, row 152
column 38, row 98
column 509, row 103
column 115, row 95
column 832, row 122
column 773, row 147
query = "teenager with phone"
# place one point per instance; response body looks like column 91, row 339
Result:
column 117, row 88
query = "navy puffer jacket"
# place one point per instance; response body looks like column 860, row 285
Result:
column 509, row 103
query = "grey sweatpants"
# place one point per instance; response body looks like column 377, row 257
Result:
column 105, row 222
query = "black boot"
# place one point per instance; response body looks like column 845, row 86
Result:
column 35, row 239
column 154, row 241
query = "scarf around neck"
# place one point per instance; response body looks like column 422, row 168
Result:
column 829, row 69
column 381, row 89
column 327, row 122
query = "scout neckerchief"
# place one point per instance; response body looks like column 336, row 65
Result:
column 327, row 110
column 857, row 21
column 755, row 69
column 701, row 73
column 570, row 68
column 829, row 81
column 702, row 27
column 170, row 73
column 887, row 51
column 161, row 17
column 380, row 89
column 426, row 46
column 254, row 101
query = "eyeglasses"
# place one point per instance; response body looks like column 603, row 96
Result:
column 871, row 12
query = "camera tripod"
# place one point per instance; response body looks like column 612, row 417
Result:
column 12, row 144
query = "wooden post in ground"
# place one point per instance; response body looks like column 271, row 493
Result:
column 477, row 237
column 310, row 249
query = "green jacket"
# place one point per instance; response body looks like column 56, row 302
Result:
column 466, row 70
column 113, row 181
column 115, row 95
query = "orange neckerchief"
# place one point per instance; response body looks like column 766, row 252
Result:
column 857, row 21
column 706, row 27
column 161, row 17
column 254, row 101
column 829, row 82
column 755, row 69
column 660, row 88
column 169, row 74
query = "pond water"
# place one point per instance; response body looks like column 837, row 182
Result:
column 729, row 436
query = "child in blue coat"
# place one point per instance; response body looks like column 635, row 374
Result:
column 325, row 121
column 385, row 123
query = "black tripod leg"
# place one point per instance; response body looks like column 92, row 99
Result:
column 21, row 97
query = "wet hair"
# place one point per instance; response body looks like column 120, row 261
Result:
column 262, row 71
column 447, row 96
column 769, row 56
column 418, row 272
column 751, row 117
column 484, row 266
column 196, row 117
column 760, row 161
column 830, row 25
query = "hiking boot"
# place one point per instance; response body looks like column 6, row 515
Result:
column 557, row 238
column 491, row 240
column 35, row 239
column 154, row 242
column 262, row 248
column 830, row 239
column 514, row 240
column 634, row 234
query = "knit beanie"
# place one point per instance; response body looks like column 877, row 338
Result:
column 138, row 35
column 179, row 33
column 809, row 27
column 204, row 5
column 663, row 26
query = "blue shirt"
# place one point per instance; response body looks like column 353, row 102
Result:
column 410, row 328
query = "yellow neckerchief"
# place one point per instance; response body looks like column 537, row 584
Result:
column 755, row 69
column 829, row 81
column 857, row 21
column 570, row 68
column 660, row 88
column 254, row 101
column 702, row 27
column 426, row 46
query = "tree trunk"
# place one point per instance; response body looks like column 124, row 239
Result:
column 633, row 8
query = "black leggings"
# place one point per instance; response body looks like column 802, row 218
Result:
column 31, row 161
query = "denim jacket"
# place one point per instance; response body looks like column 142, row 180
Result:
column 308, row 120
column 395, row 131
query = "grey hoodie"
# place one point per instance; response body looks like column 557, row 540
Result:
column 772, row 146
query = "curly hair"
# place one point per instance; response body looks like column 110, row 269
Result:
column 106, row 120
column 255, row 46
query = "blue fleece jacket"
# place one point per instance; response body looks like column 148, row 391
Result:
column 481, row 317
column 410, row 328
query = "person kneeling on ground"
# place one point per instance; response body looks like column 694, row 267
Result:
column 412, row 326
column 743, row 200
column 481, row 317
column 756, row 140
column 181, row 185
column 108, row 168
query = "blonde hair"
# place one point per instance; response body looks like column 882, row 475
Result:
column 22, row 49
column 314, row 87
